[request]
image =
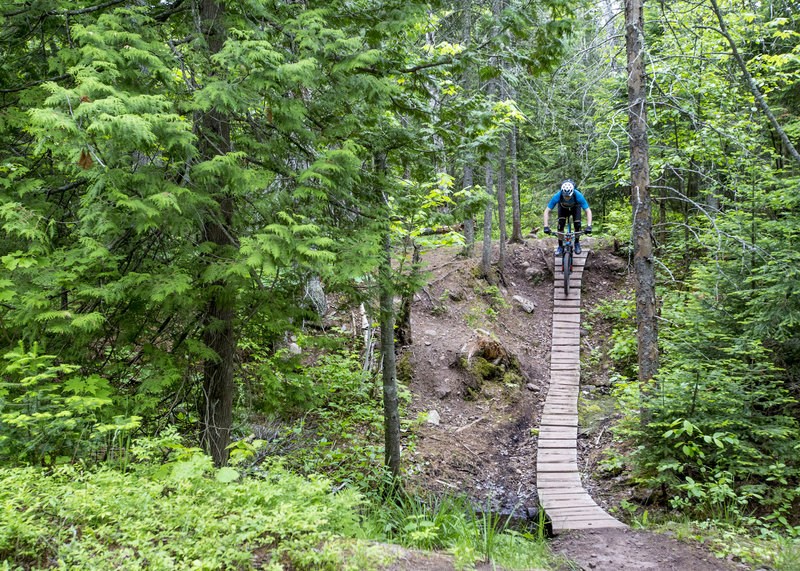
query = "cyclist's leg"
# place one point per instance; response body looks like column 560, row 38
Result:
column 576, row 219
column 563, row 214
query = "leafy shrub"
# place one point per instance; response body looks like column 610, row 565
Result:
column 49, row 413
column 176, row 516
column 720, row 438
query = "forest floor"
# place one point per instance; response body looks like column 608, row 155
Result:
column 477, row 427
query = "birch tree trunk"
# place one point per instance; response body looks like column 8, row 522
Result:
column 641, row 202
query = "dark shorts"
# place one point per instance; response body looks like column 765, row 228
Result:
column 564, row 213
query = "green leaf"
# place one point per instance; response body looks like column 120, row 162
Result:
column 227, row 474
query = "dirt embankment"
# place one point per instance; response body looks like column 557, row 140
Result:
column 480, row 406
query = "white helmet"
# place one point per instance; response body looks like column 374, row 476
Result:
column 567, row 189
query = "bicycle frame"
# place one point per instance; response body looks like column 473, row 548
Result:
column 568, row 238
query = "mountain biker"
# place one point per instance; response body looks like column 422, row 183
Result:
column 570, row 202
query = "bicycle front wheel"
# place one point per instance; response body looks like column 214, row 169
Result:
column 566, row 264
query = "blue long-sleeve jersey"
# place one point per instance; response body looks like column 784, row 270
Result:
column 576, row 197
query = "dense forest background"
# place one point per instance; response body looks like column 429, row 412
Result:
column 185, row 185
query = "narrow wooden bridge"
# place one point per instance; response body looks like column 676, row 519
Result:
column 558, row 481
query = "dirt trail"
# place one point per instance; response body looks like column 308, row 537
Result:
column 481, row 442
column 636, row 550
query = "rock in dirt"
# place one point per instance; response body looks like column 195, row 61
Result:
column 433, row 418
column 535, row 272
column 486, row 359
column 442, row 391
column 533, row 388
column 431, row 332
column 526, row 304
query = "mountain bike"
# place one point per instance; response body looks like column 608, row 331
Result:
column 568, row 238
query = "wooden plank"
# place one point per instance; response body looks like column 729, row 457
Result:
column 574, row 294
column 563, row 351
column 545, row 480
column 560, row 414
column 565, row 387
column 566, row 310
column 578, row 513
column 568, row 318
column 560, row 432
column 565, row 367
column 560, row 409
column 552, row 423
column 552, row 454
column 562, row 401
column 587, row 525
column 554, row 480
column 597, row 519
column 559, row 494
column 566, row 502
column 560, row 443
column 561, row 468
column 560, row 419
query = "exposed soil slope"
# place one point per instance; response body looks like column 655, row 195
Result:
column 484, row 443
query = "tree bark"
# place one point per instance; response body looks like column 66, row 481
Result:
column 218, row 335
column 466, row 38
column 501, row 204
column 751, row 85
column 403, row 329
column 486, row 254
column 641, row 202
column 516, row 206
column 391, row 410
column 469, row 222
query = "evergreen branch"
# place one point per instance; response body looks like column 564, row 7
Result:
column 33, row 83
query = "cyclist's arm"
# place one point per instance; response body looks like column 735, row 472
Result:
column 546, row 218
column 588, row 212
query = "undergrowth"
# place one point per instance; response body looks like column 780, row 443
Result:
column 182, row 517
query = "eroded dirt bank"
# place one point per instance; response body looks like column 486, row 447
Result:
column 479, row 416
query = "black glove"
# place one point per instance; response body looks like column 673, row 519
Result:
column 547, row 230
column 588, row 230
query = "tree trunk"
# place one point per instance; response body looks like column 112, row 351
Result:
column 391, row 410
column 218, row 335
column 466, row 38
column 501, row 205
column 403, row 329
column 516, row 206
column 486, row 254
column 641, row 202
column 469, row 222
